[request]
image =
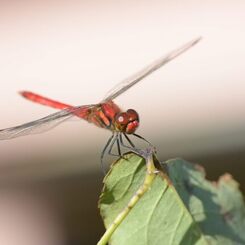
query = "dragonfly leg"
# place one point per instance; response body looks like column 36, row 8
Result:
column 104, row 151
column 150, row 144
column 122, row 143
column 130, row 142
column 118, row 147
column 140, row 137
column 132, row 147
column 111, row 146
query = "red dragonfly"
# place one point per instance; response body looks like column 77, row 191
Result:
column 105, row 114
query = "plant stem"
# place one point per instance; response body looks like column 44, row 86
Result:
column 149, row 177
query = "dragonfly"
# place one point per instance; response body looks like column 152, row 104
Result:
column 105, row 114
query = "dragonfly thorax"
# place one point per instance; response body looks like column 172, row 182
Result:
column 127, row 122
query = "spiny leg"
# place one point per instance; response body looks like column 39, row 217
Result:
column 130, row 142
column 121, row 141
column 111, row 146
column 150, row 144
column 132, row 147
column 140, row 137
column 108, row 143
column 117, row 138
column 118, row 147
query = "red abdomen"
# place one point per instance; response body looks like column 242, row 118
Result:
column 43, row 100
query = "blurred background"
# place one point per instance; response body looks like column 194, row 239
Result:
column 75, row 51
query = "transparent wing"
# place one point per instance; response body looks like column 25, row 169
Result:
column 45, row 123
column 132, row 80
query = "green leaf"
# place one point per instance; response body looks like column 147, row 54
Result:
column 184, row 210
column 217, row 207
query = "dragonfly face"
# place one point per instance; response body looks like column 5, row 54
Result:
column 127, row 122
column 110, row 116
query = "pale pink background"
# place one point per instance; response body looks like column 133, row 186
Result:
column 75, row 51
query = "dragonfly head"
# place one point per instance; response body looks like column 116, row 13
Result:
column 127, row 121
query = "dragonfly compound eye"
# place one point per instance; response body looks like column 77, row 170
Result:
column 133, row 115
column 121, row 121
column 122, row 118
